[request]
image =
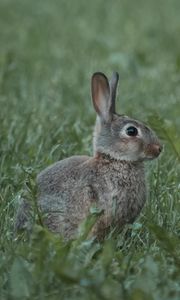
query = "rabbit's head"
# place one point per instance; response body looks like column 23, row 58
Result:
column 119, row 136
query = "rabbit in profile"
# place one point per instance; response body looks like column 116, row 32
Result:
column 112, row 180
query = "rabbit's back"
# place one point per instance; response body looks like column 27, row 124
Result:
column 55, row 177
column 59, row 194
column 68, row 189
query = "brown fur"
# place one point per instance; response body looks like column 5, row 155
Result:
column 94, row 186
column 113, row 180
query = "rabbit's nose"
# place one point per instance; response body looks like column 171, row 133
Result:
column 156, row 149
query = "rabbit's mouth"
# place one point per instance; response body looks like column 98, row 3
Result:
column 153, row 150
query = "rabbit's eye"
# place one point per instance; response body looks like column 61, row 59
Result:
column 131, row 131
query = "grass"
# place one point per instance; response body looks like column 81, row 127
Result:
column 48, row 51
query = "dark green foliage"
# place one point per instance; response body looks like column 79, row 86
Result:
column 48, row 51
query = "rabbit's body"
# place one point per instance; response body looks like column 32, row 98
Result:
column 75, row 184
column 112, row 180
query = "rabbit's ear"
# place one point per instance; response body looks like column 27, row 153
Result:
column 101, row 96
column 113, row 87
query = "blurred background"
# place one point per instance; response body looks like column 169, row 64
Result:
column 49, row 50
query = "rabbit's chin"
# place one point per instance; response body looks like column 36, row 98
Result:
column 132, row 154
column 129, row 157
column 149, row 157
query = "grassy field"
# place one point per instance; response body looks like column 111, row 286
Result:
column 48, row 52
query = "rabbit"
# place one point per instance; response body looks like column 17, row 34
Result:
column 113, row 180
